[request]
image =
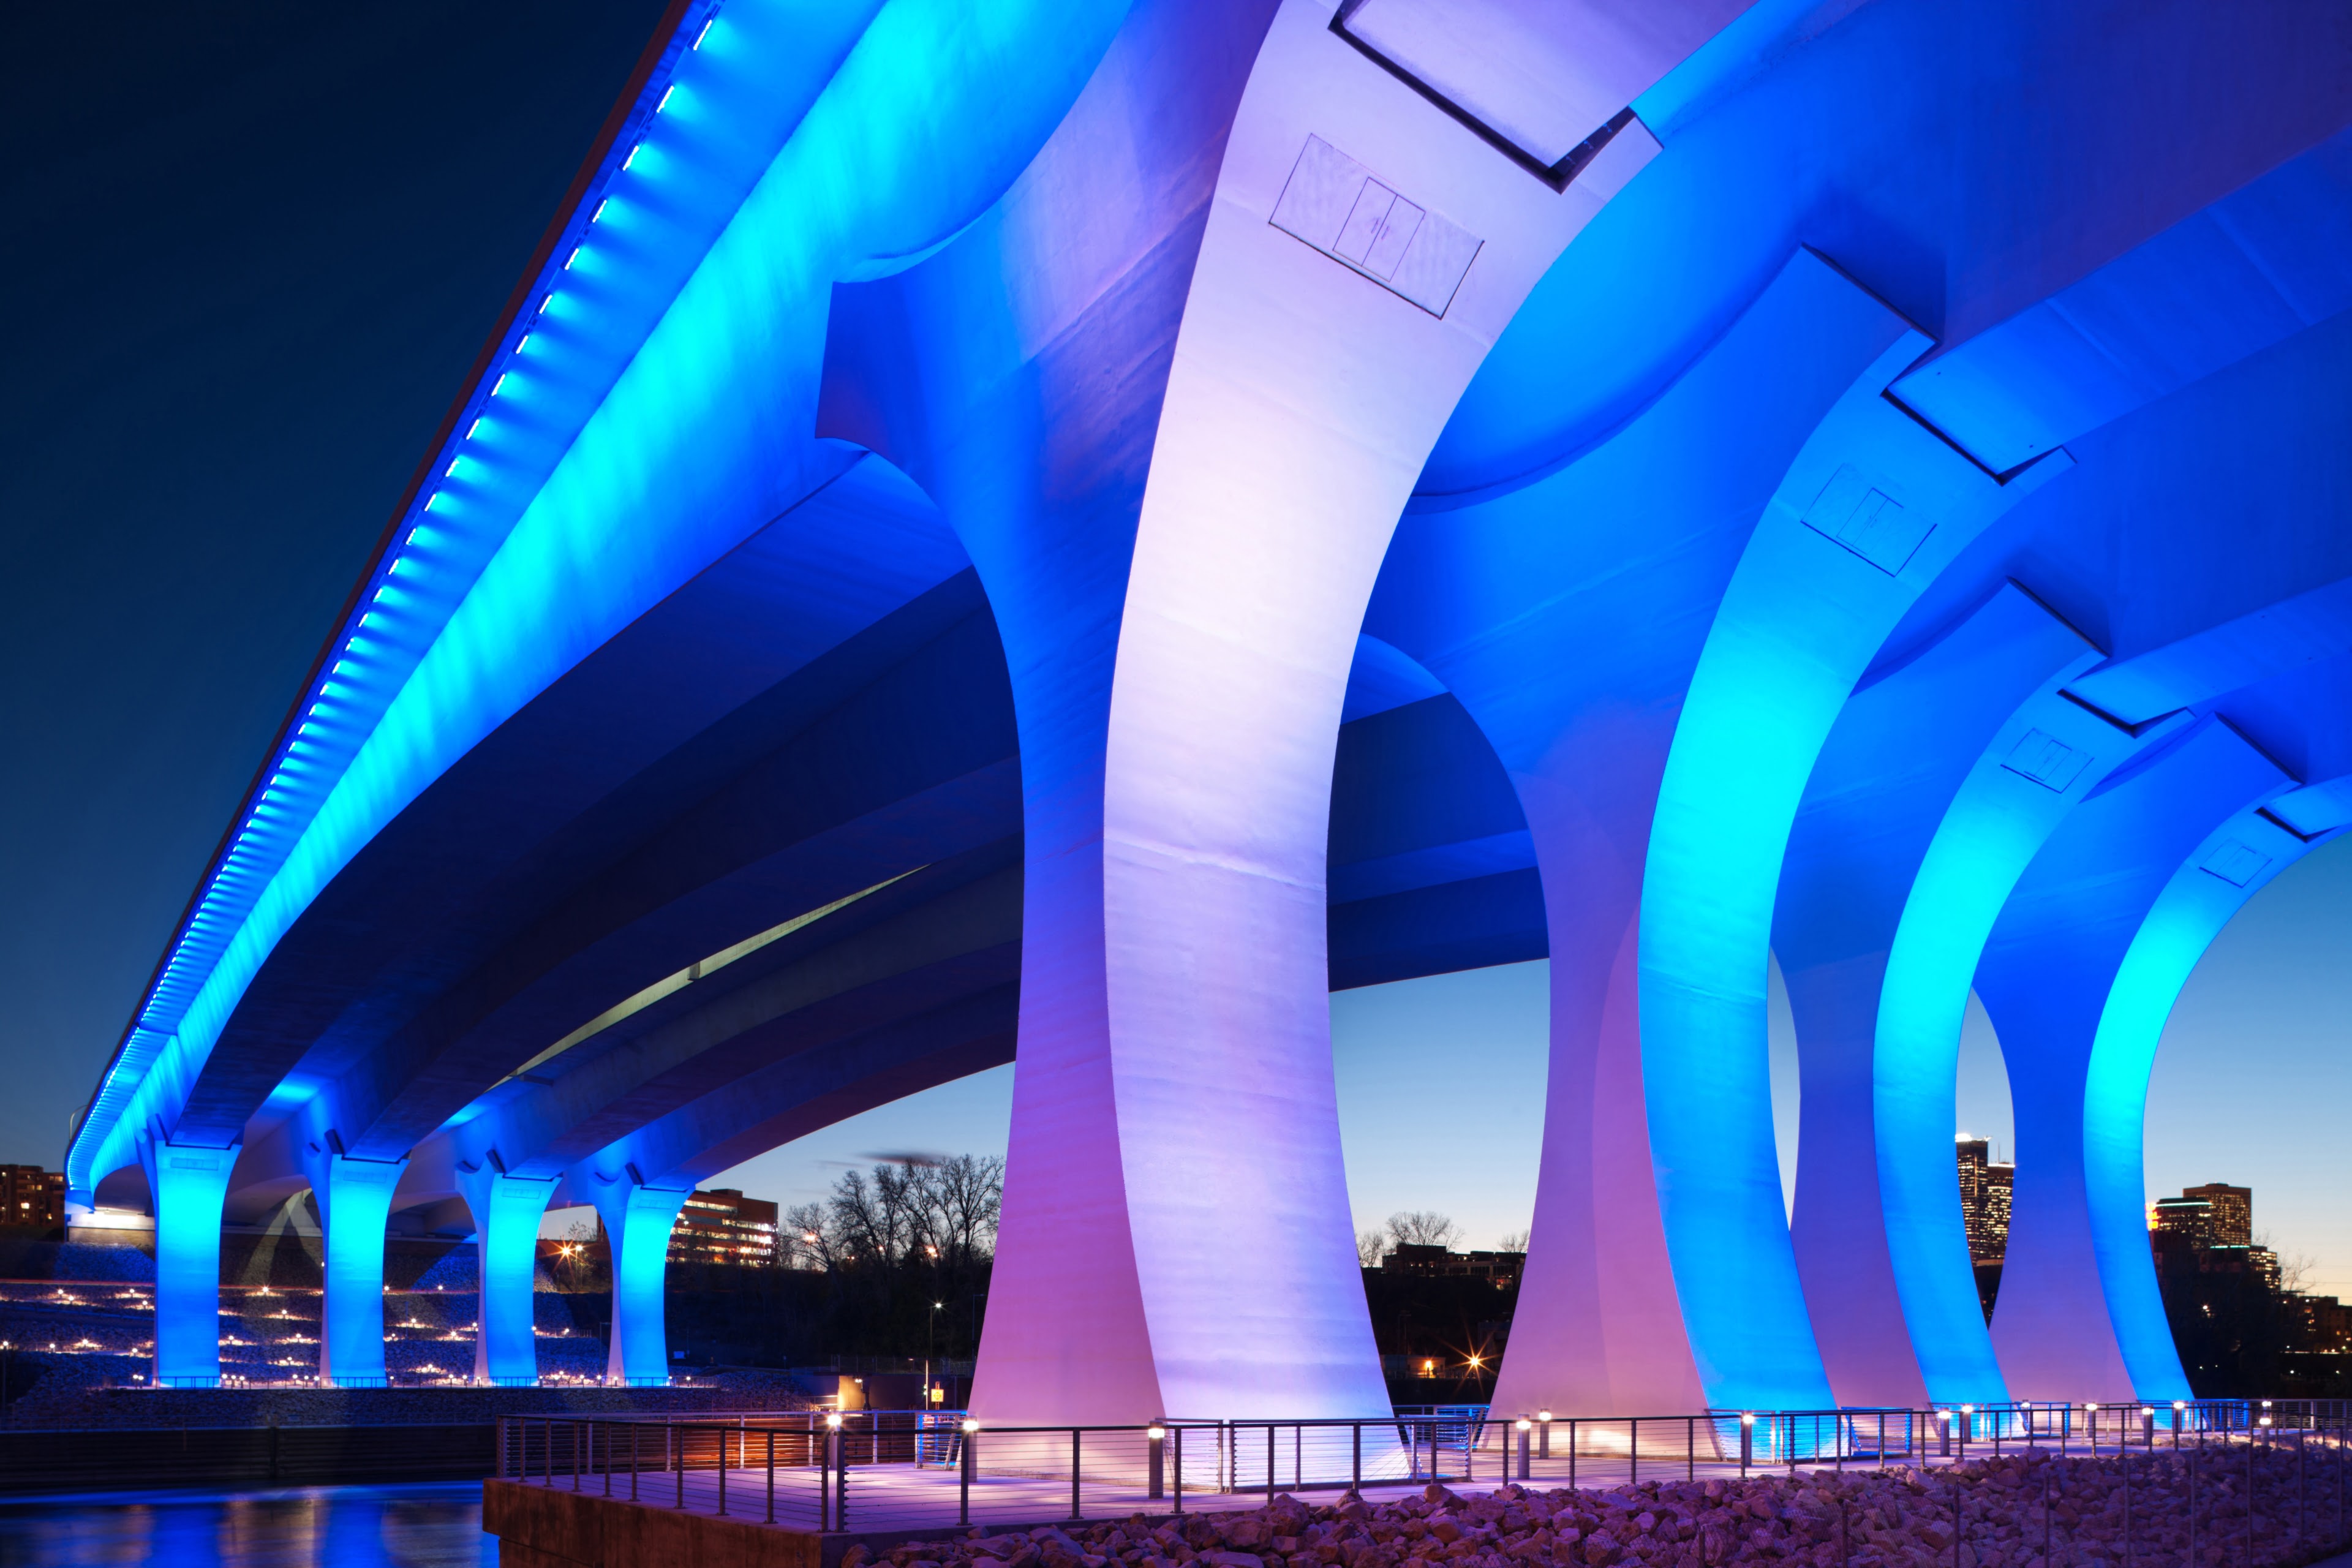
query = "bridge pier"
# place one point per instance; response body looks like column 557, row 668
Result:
column 2051, row 975
column 354, row 1203
column 507, row 1211
column 637, row 1221
column 187, row 1185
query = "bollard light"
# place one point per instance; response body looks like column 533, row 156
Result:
column 1154, row 1433
column 1543, row 1416
column 1747, row 1418
column 1526, row 1424
column 2181, row 1404
column 969, row 1427
column 833, row 1421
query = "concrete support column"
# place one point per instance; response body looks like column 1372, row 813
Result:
column 354, row 1203
column 1176, row 473
column 1578, row 691
column 637, row 1221
column 507, row 1211
column 1873, row 507
column 2049, row 977
column 188, row 1185
column 2235, row 861
column 2047, row 758
column 1901, row 749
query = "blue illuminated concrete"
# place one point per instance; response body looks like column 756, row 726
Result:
column 1569, row 642
column 1872, row 509
column 506, row 1212
column 2048, row 754
column 2234, row 863
column 637, row 1221
column 2048, row 975
column 1873, row 811
column 354, row 1198
column 947, row 569
column 188, row 1185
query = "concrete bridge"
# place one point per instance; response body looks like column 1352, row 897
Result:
column 1063, row 532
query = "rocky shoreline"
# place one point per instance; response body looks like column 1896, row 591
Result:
column 2031, row 1510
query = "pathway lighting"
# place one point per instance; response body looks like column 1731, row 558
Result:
column 969, row 1427
column 1154, row 1433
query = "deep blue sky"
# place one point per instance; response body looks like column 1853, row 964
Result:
column 249, row 253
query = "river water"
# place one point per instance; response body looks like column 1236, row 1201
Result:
column 426, row 1526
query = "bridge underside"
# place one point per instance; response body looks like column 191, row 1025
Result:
column 1065, row 540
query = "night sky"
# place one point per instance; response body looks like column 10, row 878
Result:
column 248, row 255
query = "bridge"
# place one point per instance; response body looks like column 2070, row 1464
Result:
column 1062, row 533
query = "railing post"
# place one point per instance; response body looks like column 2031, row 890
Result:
column 1526, row 1443
column 685, row 1435
column 1571, row 1452
column 1269, row 1461
column 721, row 1435
column 1747, row 1442
column 1155, row 1438
column 1075, row 1511
column 772, row 1475
column 1355, row 1459
column 1178, row 1465
column 575, row 1455
column 1633, row 1451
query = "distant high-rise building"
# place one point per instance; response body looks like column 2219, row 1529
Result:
column 722, row 1226
column 32, row 1196
column 2211, row 1230
column 1986, row 1188
column 2232, row 1209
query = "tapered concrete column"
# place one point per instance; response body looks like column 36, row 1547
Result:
column 187, row 1185
column 507, row 1211
column 354, row 1199
column 2049, row 977
column 2234, row 863
column 1570, row 638
column 2048, row 757
column 637, row 1222
column 1176, row 474
column 1900, row 750
column 1873, row 507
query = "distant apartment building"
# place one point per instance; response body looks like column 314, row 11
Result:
column 1498, row 1269
column 32, row 1196
column 722, row 1226
column 1985, row 1189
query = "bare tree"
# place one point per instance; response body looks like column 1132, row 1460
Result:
column 1515, row 1242
column 806, row 1238
column 963, row 1198
column 1371, row 1246
column 1421, row 1227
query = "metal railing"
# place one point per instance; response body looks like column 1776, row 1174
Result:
column 2261, row 1480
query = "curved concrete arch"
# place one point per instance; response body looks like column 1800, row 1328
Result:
column 1567, row 616
column 2234, row 863
column 2046, row 757
column 1870, row 510
column 2047, row 976
column 1900, row 751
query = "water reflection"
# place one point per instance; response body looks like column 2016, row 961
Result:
column 429, row 1526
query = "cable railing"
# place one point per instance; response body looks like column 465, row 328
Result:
column 2202, row 1469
